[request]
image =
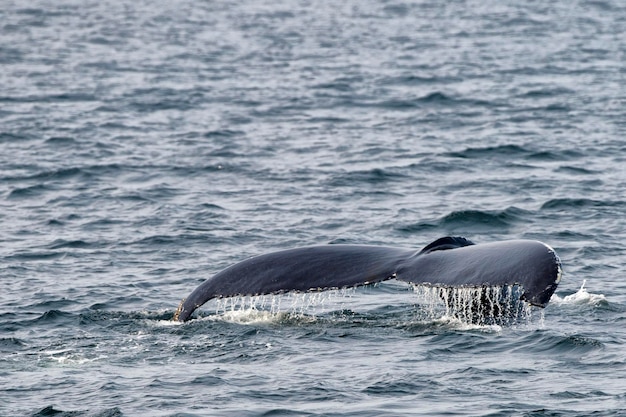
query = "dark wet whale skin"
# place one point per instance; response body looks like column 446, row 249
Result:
column 447, row 262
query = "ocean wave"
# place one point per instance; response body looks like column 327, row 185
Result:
column 507, row 152
column 569, row 203
column 373, row 176
column 52, row 411
column 472, row 221
column 548, row 342
column 29, row 192
column 498, row 151
column 12, row 344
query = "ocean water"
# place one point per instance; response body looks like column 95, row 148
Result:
column 146, row 145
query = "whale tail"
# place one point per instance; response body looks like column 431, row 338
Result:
column 448, row 262
column 445, row 243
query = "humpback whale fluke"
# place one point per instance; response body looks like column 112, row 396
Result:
column 450, row 262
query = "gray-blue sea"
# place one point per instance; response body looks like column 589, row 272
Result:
column 147, row 145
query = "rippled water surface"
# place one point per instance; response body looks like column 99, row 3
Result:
column 145, row 146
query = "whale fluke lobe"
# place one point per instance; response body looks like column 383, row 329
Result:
column 450, row 262
column 448, row 242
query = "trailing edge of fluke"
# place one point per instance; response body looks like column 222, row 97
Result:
column 447, row 262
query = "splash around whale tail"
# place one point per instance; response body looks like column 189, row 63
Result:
column 448, row 262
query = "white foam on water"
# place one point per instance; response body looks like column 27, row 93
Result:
column 168, row 323
column 248, row 316
column 65, row 357
column 457, row 324
column 580, row 297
